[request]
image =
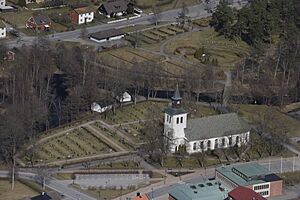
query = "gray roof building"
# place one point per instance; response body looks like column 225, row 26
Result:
column 247, row 174
column 215, row 126
column 106, row 34
column 209, row 190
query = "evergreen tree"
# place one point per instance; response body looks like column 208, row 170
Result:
column 223, row 18
column 22, row 3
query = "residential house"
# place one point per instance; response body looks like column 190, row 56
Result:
column 243, row 193
column 140, row 197
column 100, row 109
column 10, row 56
column 4, row 7
column 81, row 15
column 113, row 8
column 252, row 176
column 39, row 23
column 52, row 195
column 205, row 133
column 107, row 35
column 206, row 190
column 2, row 30
column 124, row 98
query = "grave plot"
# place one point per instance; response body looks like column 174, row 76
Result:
column 75, row 144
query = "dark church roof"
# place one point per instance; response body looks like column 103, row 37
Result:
column 174, row 111
column 215, row 126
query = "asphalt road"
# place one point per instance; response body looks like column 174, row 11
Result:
column 197, row 11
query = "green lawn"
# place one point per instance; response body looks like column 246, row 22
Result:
column 20, row 191
column 134, row 112
column 226, row 51
column 107, row 193
column 130, row 164
column 275, row 120
column 291, row 178
column 188, row 162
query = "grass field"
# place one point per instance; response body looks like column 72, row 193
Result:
column 227, row 52
column 134, row 112
column 19, row 19
column 20, row 191
column 274, row 119
column 290, row 178
column 77, row 143
column 188, row 162
column 105, row 194
column 147, row 4
column 130, row 57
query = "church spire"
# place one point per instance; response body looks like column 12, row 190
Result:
column 176, row 98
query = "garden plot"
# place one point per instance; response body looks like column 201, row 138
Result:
column 167, row 31
column 155, row 35
column 152, row 36
column 227, row 52
column 112, row 135
column 74, row 144
column 158, row 33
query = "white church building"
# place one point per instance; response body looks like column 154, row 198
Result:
column 205, row 133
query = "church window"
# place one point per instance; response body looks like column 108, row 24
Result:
column 237, row 140
column 230, row 141
column 216, row 143
column 223, row 142
column 208, row 144
column 181, row 120
column 170, row 119
column 202, row 145
column 177, row 120
column 194, row 146
column 167, row 118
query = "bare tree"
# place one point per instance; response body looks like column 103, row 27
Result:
column 42, row 175
column 156, row 14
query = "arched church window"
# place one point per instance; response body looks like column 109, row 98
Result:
column 223, row 142
column 181, row 120
column 237, row 139
column 202, row 145
column 177, row 120
column 230, row 141
column 216, row 143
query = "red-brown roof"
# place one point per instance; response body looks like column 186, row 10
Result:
column 141, row 197
column 243, row 193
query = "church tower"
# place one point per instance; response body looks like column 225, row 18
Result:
column 175, row 121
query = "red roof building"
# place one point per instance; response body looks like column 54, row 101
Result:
column 243, row 193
